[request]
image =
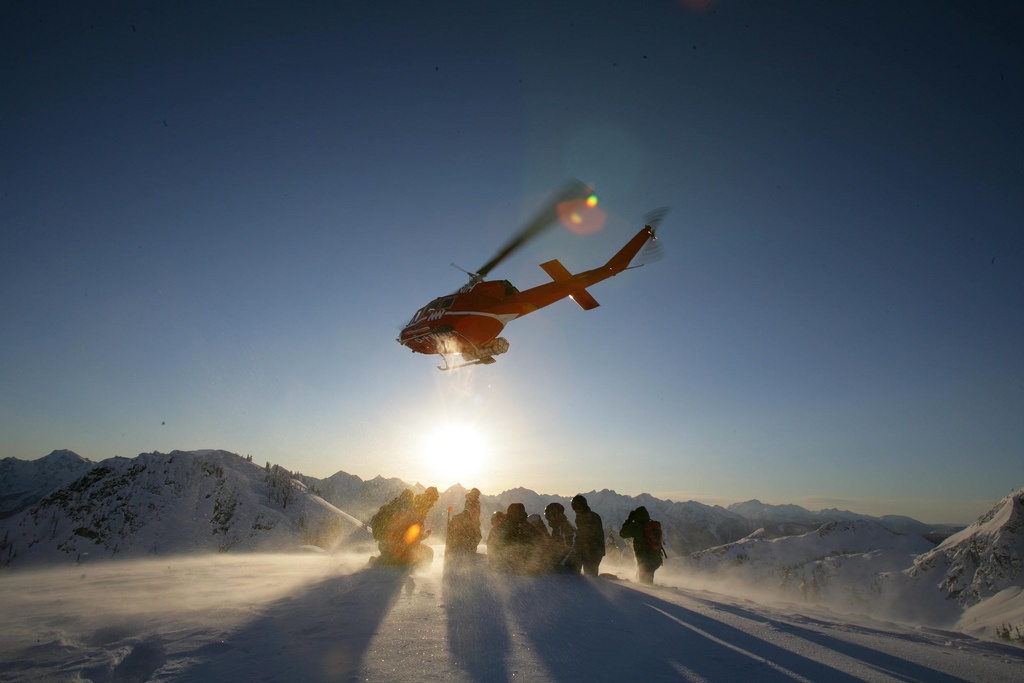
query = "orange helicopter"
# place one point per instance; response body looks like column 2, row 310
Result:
column 467, row 322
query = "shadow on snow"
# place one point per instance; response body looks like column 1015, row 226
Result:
column 602, row 630
column 272, row 648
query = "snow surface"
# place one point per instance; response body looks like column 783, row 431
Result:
column 331, row 617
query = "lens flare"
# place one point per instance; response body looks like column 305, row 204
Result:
column 581, row 215
column 411, row 534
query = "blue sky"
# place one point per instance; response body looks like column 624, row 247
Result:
column 218, row 217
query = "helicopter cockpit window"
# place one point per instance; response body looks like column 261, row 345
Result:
column 431, row 307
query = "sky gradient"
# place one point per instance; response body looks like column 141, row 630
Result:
column 217, row 218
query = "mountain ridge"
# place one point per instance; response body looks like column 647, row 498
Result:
column 689, row 526
column 180, row 502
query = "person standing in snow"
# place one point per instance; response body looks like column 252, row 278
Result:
column 494, row 540
column 646, row 542
column 611, row 546
column 563, row 540
column 589, row 537
column 464, row 528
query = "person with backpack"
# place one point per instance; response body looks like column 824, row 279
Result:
column 399, row 528
column 589, row 537
column 647, row 543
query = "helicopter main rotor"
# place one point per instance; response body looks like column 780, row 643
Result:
column 548, row 216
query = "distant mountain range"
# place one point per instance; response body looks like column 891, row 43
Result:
column 23, row 482
column 64, row 508
column 791, row 520
column 63, row 505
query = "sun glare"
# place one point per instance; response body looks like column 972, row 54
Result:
column 581, row 215
column 455, row 452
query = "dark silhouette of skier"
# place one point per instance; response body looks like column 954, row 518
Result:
column 398, row 527
column 464, row 528
column 589, row 537
column 563, row 540
column 646, row 536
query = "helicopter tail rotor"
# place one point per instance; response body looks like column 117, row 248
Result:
column 653, row 251
column 654, row 217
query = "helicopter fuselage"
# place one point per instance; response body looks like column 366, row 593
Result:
column 468, row 321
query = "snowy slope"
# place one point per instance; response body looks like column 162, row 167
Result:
column 157, row 504
column 314, row 619
column 23, row 482
column 836, row 564
column 983, row 559
column 974, row 581
column 834, row 538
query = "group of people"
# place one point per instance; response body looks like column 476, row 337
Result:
column 517, row 543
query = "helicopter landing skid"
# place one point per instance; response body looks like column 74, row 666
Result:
column 479, row 361
column 477, row 355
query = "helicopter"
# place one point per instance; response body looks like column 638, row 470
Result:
column 467, row 322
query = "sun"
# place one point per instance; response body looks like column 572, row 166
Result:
column 455, row 452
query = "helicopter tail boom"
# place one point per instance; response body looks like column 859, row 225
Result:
column 561, row 275
column 620, row 261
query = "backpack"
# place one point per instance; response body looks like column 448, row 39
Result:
column 652, row 534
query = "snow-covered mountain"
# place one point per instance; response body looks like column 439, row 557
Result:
column 359, row 498
column 859, row 564
column 775, row 521
column 836, row 563
column 983, row 559
column 23, row 482
column 135, row 495
column 154, row 504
